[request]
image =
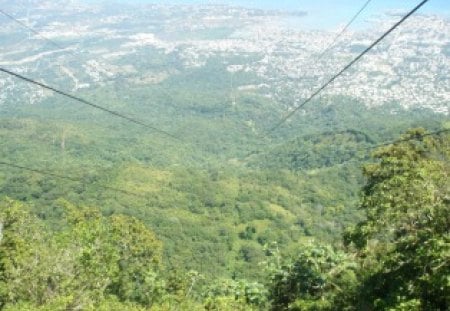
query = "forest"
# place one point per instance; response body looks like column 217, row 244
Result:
column 100, row 215
column 393, row 256
column 344, row 207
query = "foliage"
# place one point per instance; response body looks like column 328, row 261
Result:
column 216, row 199
column 403, row 245
column 92, row 260
column 314, row 280
column 240, row 294
column 396, row 259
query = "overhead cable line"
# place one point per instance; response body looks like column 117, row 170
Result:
column 414, row 137
column 65, row 177
column 290, row 114
column 401, row 140
column 398, row 141
column 57, row 45
column 67, row 94
column 372, row 147
column 332, row 44
column 89, row 103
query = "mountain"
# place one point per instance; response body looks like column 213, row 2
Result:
column 225, row 205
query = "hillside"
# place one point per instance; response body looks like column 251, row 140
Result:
column 206, row 208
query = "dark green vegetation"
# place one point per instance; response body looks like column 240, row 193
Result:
column 225, row 219
column 396, row 258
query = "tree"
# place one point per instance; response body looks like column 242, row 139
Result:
column 139, row 261
column 403, row 245
column 314, row 280
column 25, row 257
column 90, row 263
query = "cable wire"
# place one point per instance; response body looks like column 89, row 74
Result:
column 57, row 45
column 361, row 148
column 332, row 44
column 65, row 93
column 89, row 103
column 370, row 47
column 65, row 177
column 401, row 140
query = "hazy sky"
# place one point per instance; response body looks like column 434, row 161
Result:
column 434, row 4
column 326, row 13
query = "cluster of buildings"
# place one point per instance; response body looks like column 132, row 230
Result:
column 410, row 67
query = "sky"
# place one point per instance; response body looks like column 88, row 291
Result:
column 327, row 13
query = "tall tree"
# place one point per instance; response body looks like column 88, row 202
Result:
column 404, row 243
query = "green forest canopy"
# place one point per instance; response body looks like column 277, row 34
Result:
column 395, row 258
